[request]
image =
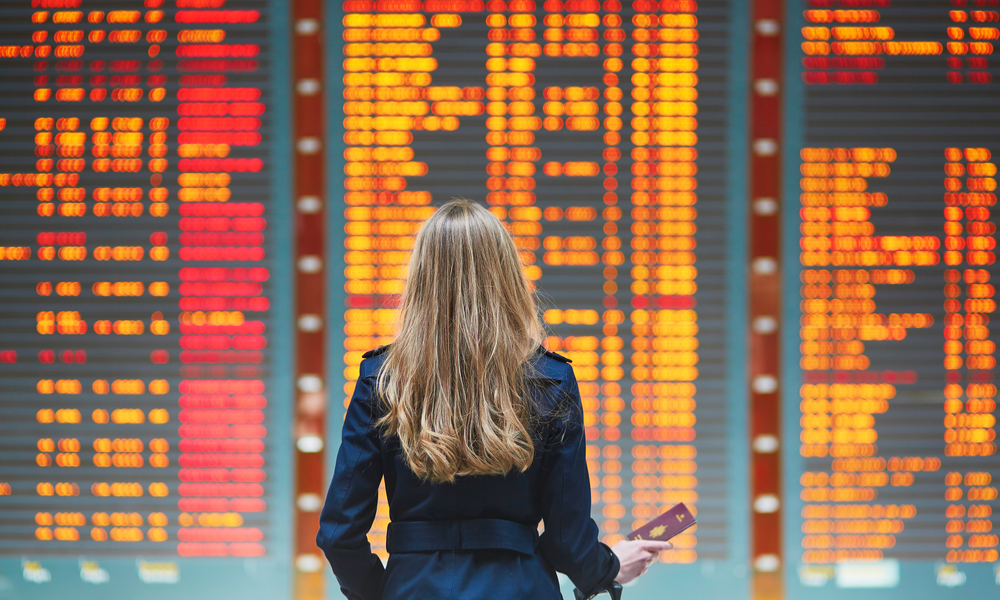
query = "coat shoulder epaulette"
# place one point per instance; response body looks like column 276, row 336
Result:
column 375, row 352
column 558, row 357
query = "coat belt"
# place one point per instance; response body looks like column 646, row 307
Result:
column 468, row 534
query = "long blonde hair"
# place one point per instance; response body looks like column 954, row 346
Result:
column 454, row 380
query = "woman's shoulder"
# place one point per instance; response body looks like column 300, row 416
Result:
column 372, row 360
column 552, row 377
column 550, row 365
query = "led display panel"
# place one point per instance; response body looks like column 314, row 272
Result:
column 889, row 356
column 143, row 351
column 603, row 134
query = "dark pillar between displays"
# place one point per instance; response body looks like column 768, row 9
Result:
column 310, row 294
column 765, row 298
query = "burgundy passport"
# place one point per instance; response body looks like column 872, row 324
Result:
column 665, row 526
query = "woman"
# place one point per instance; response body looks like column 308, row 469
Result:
column 478, row 432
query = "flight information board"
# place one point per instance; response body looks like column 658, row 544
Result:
column 601, row 133
column 143, row 354
column 890, row 391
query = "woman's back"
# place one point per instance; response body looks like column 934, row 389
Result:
column 474, row 538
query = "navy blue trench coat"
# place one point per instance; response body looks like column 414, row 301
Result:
column 476, row 538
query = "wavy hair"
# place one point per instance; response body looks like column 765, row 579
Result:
column 454, row 380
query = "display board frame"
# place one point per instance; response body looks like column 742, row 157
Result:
column 891, row 577
column 269, row 576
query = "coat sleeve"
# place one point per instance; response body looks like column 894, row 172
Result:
column 352, row 498
column 570, row 541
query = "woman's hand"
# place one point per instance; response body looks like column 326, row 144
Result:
column 636, row 556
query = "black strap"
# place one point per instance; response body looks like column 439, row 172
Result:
column 469, row 534
column 615, row 589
